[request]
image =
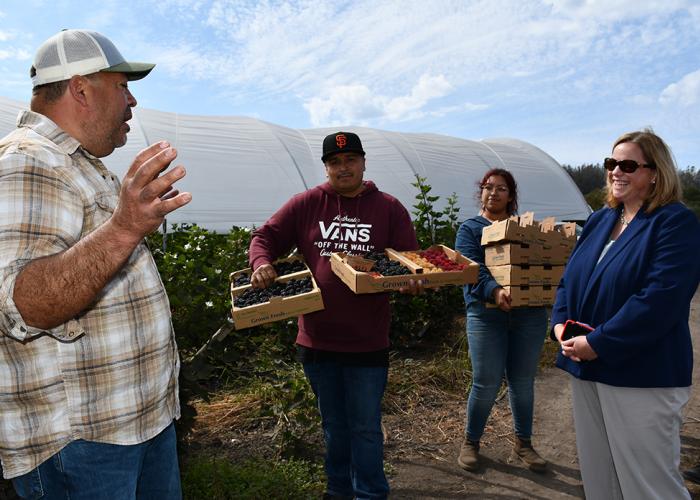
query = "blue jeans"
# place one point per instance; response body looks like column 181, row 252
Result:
column 85, row 470
column 503, row 343
column 350, row 400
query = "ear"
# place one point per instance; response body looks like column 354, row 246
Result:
column 78, row 88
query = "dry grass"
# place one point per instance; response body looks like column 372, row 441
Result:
column 424, row 406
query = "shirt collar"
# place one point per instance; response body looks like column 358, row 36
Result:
column 47, row 128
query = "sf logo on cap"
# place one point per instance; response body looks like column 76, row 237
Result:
column 341, row 140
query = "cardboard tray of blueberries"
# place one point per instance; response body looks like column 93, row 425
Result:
column 293, row 293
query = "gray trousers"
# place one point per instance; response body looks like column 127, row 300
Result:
column 628, row 440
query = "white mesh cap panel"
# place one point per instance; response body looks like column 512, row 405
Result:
column 79, row 46
column 48, row 58
column 78, row 54
column 81, row 52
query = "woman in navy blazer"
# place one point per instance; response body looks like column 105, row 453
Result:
column 631, row 277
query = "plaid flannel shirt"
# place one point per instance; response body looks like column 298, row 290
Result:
column 108, row 375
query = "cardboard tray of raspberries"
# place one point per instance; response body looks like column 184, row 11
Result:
column 436, row 266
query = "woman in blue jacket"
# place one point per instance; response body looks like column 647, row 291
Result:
column 502, row 341
column 631, row 278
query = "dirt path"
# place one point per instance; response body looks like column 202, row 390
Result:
column 431, row 471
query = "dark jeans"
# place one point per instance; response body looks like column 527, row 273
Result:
column 349, row 399
column 85, row 470
column 503, row 343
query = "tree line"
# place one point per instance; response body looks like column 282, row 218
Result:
column 590, row 179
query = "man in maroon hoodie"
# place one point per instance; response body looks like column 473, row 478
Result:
column 345, row 347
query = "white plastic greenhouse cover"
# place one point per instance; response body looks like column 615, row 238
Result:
column 240, row 170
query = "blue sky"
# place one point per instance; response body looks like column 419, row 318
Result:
column 568, row 76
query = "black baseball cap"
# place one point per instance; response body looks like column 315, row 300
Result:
column 341, row 142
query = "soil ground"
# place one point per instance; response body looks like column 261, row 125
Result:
column 422, row 442
column 428, row 470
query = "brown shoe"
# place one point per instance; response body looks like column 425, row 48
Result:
column 524, row 451
column 469, row 455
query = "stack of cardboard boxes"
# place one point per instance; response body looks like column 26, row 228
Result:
column 527, row 257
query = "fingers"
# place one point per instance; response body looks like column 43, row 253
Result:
column 569, row 352
column 152, row 167
column 168, row 205
column 145, row 197
column 170, row 193
column 558, row 331
column 415, row 287
column 163, row 184
column 263, row 276
column 145, row 155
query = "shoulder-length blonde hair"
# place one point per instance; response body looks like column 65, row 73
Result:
column 667, row 188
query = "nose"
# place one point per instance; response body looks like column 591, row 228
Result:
column 130, row 99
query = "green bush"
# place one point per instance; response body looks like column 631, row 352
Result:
column 596, row 198
column 220, row 479
column 195, row 269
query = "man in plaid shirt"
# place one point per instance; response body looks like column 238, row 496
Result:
column 88, row 360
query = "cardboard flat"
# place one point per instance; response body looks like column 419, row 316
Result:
column 508, row 253
column 552, row 275
column 363, row 282
column 511, row 275
column 525, row 229
column 249, row 271
column 527, row 275
column 502, row 231
column 278, row 308
column 531, row 296
column 556, row 255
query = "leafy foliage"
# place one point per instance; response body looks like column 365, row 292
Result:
column 219, row 479
column 588, row 177
column 596, row 198
column 414, row 316
column 195, row 270
column 434, row 226
column 690, row 180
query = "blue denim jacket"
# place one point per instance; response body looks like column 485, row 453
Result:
column 469, row 244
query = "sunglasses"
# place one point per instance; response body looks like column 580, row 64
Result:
column 627, row 166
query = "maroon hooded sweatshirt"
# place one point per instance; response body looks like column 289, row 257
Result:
column 320, row 221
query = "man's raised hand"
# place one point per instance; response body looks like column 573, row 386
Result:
column 145, row 197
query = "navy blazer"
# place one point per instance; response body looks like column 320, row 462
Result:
column 637, row 298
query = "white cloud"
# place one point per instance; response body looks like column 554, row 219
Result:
column 467, row 107
column 641, row 99
column 346, row 104
column 685, row 92
column 302, row 48
column 427, row 88
column 187, row 61
column 615, row 10
column 15, row 53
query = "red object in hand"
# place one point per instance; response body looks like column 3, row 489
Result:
column 439, row 259
column 574, row 329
